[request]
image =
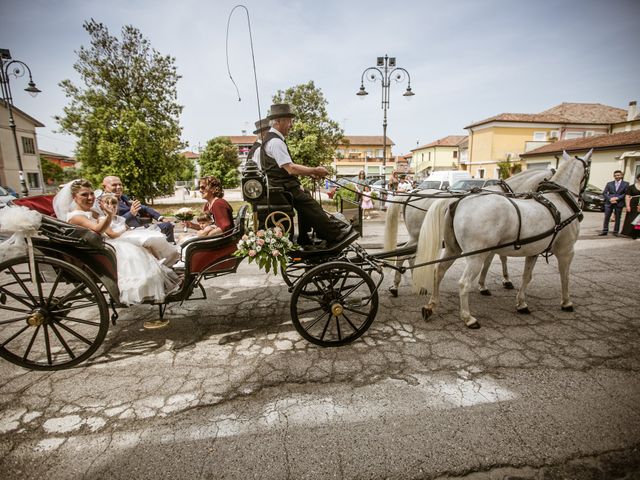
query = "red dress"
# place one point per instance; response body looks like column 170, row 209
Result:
column 221, row 212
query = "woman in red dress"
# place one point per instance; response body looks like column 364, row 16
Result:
column 216, row 206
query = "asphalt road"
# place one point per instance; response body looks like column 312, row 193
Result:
column 230, row 390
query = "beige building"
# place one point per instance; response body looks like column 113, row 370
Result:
column 443, row 154
column 505, row 137
column 27, row 143
column 363, row 153
column 616, row 151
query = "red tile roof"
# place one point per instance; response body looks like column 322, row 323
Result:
column 622, row 139
column 242, row 139
column 190, row 155
column 589, row 113
column 368, row 140
column 449, row 141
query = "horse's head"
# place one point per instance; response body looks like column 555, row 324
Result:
column 585, row 162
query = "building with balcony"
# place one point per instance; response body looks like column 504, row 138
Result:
column 363, row 153
column 505, row 137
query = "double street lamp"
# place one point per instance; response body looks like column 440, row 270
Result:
column 385, row 70
column 15, row 68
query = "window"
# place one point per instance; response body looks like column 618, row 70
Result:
column 33, row 179
column 539, row 136
column 455, row 154
column 589, row 133
column 28, row 146
column 481, row 172
column 572, row 135
column 379, row 153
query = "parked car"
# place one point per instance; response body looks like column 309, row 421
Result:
column 341, row 182
column 468, row 184
column 5, row 197
column 433, row 185
column 11, row 191
column 592, row 199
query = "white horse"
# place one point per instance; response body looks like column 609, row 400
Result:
column 485, row 221
column 415, row 209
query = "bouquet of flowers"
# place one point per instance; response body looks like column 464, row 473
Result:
column 185, row 214
column 268, row 248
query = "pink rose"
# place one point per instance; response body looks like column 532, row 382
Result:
column 276, row 253
column 245, row 237
column 252, row 253
column 260, row 233
column 260, row 242
column 278, row 234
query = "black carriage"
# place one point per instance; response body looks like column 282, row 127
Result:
column 57, row 300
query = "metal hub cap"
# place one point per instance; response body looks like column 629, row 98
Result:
column 37, row 318
column 336, row 309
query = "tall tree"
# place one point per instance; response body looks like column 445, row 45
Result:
column 314, row 136
column 126, row 114
column 220, row 159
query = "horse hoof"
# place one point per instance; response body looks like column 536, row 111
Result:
column 567, row 309
column 508, row 285
column 524, row 310
column 426, row 313
column 474, row 326
column 393, row 291
column 486, row 293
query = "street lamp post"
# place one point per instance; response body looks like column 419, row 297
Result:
column 17, row 69
column 385, row 70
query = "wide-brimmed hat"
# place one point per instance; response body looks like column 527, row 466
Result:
column 280, row 110
column 261, row 125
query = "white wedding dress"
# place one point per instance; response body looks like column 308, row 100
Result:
column 140, row 275
column 150, row 238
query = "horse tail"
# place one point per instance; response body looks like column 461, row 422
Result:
column 391, row 227
column 429, row 245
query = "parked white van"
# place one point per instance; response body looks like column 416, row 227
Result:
column 446, row 178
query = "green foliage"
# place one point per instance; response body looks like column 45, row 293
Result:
column 220, row 159
column 186, row 169
column 71, row 173
column 508, row 168
column 125, row 115
column 314, row 136
column 347, row 193
column 52, row 172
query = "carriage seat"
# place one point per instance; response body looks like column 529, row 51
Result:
column 213, row 254
column 279, row 200
column 56, row 229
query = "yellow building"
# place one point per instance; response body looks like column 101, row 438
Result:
column 616, row 151
column 27, row 143
column 443, row 154
column 363, row 153
column 506, row 136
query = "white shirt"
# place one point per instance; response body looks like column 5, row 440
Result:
column 277, row 149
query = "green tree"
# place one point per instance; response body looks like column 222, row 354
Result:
column 314, row 137
column 508, row 168
column 71, row 173
column 220, row 159
column 125, row 115
column 186, row 169
column 52, row 172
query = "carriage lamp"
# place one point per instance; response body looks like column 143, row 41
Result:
column 253, row 186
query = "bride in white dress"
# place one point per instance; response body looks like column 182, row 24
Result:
column 140, row 275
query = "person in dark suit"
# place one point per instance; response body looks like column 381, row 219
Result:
column 131, row 210
column 614, row 193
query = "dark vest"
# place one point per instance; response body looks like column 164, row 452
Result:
column 253, row 149
column 278, row 177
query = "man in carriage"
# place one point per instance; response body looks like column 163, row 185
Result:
column 283, row 172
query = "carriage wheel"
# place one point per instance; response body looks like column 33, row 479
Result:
column 278, row 219
column 294, row 271
column 333, row 304
column 54, row 319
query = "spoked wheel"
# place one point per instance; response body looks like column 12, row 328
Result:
column 334, row 303
column 53, row 319
column 293, row 272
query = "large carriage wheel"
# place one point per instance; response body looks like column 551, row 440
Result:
column 53, row 319
column 333, row 304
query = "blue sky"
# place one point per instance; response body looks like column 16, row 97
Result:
column 468, row 60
